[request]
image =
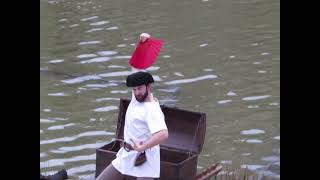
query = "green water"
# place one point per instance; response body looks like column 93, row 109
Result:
column 227, row 51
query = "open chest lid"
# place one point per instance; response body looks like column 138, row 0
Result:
column 187, row 129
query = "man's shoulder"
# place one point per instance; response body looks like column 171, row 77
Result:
column 153, row 99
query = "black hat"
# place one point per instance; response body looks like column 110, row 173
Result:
column 139, row 78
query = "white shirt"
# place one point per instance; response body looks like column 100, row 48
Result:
column 141, row 121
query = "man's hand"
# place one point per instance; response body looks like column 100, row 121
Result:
column 144, row 37
column 155, row 139
column 137, row 146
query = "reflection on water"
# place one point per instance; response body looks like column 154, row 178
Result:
column 86, row 56
column 72, row 138
column 224, row 101
column 252, row 131
column 105, row 109
column 59, row 127
column 222, row 59
column 276, row 137
column 89, row 42
column 56, row 61
column 98, row 59
column 99, row 23
column 254, row 141
column 180, row 81
column 255, row 98
column 90, row 18
column 107, row 53
column 58, row 94
column 78, row 148
column 61, row 162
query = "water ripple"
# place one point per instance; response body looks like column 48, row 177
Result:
column 58, row 94
column 181, row 81
column 43, row 155
column 254, row 141
column 107, row 53
column 122, row 57
column 170, row 90
column 59, row 127
column 80, row 169
column 230, row 93
column 114, row 74
column 62, row 20
column 112, row 28
column 245, row 154
column 274, row 104
column 167, row 101
column 152, row 68
column 101, row 85
column 115, row 66
column 105, row 109
column 178, row 74
column 89, row 18
column 78, row 148
column 61, row 162
column 276, row 137
column 226, row 162
column 46, row 121
column 86, row 56
column 203, row 45
column 89, row 42
column 252, row 167
column 56, row 61
column 95, row 60
column 207, row 70
column 224, row 101
column 107, row 99
column 252, row 132
column 72, row 138
column 118, row 92
column 121, row 45
column 94, row 29
column 73, row 25
column 99, row 23
column 251, row 98
column 253, row 106
column 81, row 79
column 270, row 158
column 51, row 120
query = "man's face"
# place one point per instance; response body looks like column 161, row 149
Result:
column 140, row 92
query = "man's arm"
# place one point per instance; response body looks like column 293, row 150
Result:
column 155, row 139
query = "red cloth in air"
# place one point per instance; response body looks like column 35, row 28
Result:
column 146, row 53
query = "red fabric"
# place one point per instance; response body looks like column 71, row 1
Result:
column 146, row 53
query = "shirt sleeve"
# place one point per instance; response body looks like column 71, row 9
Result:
column 155, row 119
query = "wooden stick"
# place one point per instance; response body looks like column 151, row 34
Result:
column 211, row 171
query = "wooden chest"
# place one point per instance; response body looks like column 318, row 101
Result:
column 178, row 154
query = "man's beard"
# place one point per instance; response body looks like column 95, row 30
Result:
column 143, row 98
